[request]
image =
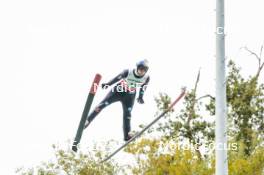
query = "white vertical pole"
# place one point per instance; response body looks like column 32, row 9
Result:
column 221, row 167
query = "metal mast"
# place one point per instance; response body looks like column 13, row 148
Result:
column 221, row 166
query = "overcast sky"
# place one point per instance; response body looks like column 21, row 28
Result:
column 50, row 51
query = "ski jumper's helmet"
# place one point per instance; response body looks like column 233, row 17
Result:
column 143, row 64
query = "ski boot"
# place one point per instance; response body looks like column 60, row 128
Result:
column 130, row 135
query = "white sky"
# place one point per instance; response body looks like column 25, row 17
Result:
column 50, row 51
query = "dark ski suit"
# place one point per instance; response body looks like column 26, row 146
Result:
column 125, row 92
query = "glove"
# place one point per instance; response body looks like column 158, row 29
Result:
column 140, row 100
column 105, row 85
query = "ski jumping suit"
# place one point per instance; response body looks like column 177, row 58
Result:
column 125, row 92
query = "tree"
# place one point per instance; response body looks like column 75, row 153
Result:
column 67, row 162
column 245, row 99
column 190, row 124
column 165, row 157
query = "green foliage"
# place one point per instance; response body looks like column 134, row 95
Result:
column 241, row 164
column 245, row 99
column 159, row 157
column 69, row 163
column 189, row 125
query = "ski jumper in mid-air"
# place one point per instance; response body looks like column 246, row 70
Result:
column 125, row 91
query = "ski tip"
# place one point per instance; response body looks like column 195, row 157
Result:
column 183, row 88
column 97, row 78
column 95, row 84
